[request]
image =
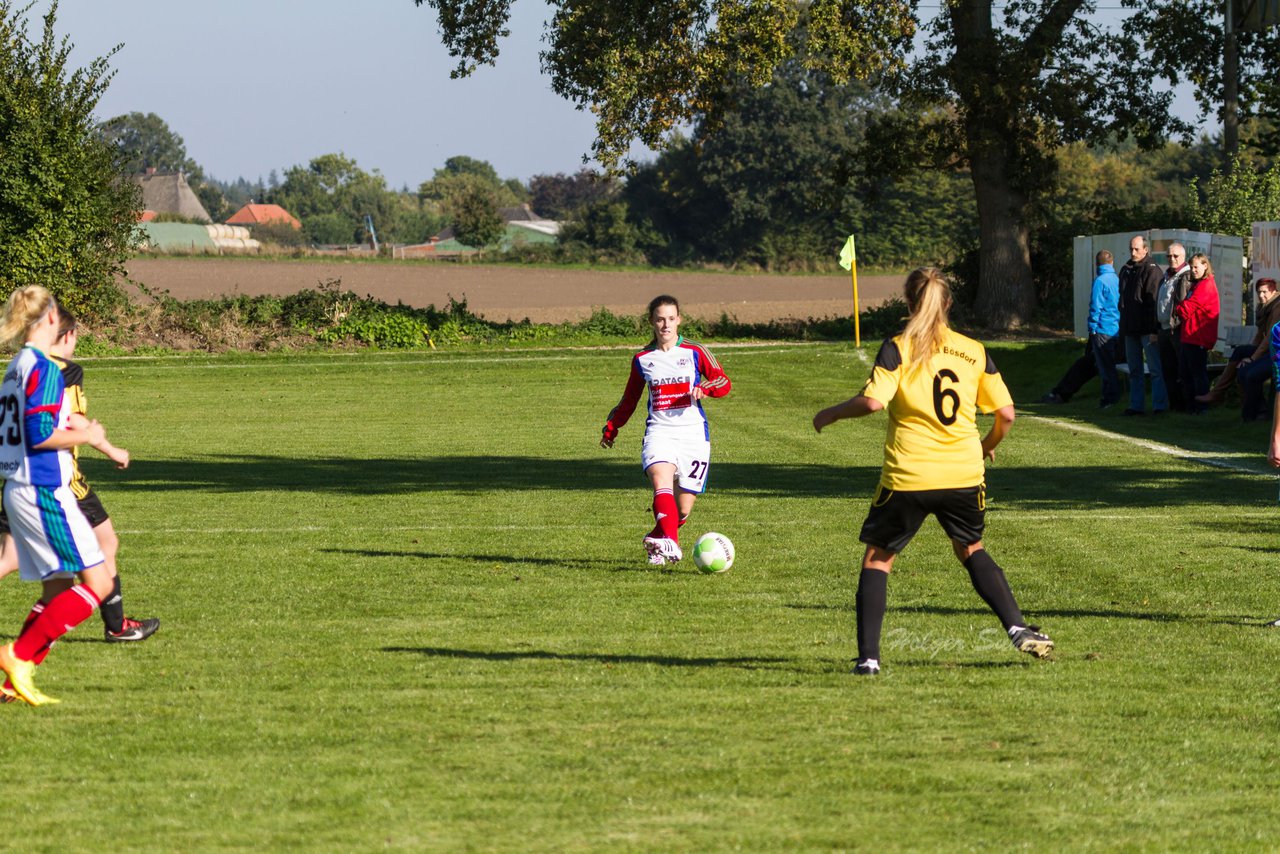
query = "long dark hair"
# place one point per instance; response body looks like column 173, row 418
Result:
column 659, row 301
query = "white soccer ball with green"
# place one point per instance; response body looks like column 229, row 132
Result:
column 713, row 553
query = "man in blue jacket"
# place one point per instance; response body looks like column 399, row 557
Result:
column 1104, row 318
column 1104, row 326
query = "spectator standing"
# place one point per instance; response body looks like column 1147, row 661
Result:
column 1140, row 281
column 1198, row 331
column 1104, row 326
column 1173, row 290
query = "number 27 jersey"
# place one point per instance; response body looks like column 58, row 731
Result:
column 32, row 406
column 933, row 441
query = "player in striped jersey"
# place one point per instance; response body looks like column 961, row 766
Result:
column 53, row 540
column 676, row 452
column 117, row 628
column 931, row 381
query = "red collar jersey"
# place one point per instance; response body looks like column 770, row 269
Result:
column 671, row 377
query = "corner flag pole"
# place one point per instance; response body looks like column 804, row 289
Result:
column 849, row 260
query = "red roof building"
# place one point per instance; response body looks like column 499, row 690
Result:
column 252, row 215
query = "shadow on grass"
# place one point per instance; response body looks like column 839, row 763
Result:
column 741, row 662
column 1032, row 614
column 1026, row 488
column 463, row 474
column 508, row 561
column 947, row 664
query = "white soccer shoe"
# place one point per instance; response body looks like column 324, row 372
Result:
column 662, row 550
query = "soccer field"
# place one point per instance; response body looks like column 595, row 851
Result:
column 405, row 607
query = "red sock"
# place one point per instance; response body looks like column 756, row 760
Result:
column 36, row 610
column 665, row 513
column 68, row 609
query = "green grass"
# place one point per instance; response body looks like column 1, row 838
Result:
column 405, row 607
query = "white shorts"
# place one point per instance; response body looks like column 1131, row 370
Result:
column 52, row 537
column 691, row 456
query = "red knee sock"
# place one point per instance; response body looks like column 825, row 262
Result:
column 36, row 610
column 68, row 609
column 665, row 513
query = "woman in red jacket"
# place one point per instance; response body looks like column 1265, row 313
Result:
column 1198, row 332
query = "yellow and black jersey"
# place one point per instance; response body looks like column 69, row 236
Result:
column 73, row 377
column 933, row 440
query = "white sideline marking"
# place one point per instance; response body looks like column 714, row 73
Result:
column 316, row 528
column 1218, row 461
column 131, row 362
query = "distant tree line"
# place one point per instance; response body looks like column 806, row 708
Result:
column 777, row 182
column 774, row 178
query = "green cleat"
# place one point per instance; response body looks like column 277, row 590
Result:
column 20, row 677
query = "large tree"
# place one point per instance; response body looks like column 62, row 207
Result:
column 67, row 219
column 1002, row 86
column 144, row 141
column 460, row 174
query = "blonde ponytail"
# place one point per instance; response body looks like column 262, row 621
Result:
column 26, row 305
column 928, row 299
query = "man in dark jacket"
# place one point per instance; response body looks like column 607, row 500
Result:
column 1140, row 281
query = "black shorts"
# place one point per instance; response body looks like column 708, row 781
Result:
column 90, row 506
column 895, row 517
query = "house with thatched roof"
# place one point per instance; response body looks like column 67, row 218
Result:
column 169, row 193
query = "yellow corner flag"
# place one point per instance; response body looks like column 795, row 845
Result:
column 849, row 260
column 848, row 254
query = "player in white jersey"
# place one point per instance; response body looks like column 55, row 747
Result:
column 676, row 453
column 54, row 541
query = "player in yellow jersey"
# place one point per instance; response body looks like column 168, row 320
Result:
column 932, row 381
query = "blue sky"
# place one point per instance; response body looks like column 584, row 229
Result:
column 256, row 85
column 269, row 84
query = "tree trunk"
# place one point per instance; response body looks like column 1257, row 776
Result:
column 1006, row 289
column 995, row 85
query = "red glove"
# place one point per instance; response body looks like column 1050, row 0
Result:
column 609, row 433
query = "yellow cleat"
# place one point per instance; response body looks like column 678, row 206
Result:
column 20, row 677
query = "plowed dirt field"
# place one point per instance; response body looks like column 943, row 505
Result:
column 543, row 295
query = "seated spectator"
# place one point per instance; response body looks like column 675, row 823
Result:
column 1249, row 363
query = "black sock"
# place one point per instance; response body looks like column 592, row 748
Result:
column 988, row 579
column 870, row 605
column 112, row 608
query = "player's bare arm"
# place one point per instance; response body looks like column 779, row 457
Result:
column 67, row 437
column 1000, row 429
column 854, row 407
column 119, row 456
